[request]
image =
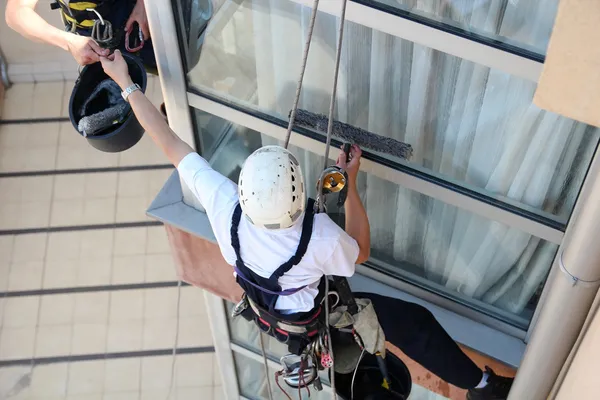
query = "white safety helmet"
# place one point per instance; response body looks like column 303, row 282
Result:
column 271, row 188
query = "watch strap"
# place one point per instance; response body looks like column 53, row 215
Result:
column 125, row 93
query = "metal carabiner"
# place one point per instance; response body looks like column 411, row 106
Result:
column 136, row 46
column 102, row 33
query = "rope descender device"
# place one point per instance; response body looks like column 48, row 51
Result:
column 334, row 181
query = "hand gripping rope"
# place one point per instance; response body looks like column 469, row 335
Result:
column 320, row 198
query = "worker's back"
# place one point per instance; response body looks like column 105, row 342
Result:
column 330, row 251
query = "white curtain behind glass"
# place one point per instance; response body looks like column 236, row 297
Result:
column 448, row 109
column 522, row 22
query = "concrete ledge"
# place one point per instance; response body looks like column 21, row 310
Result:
column 198, row 259
column 169, row 208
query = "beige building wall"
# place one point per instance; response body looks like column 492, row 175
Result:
column 581, row 380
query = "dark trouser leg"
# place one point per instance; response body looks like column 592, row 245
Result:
column 415, row 331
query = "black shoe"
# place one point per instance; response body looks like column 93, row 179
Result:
column 497, row 388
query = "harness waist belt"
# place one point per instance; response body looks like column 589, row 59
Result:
column 297, row 327
column 287, row 292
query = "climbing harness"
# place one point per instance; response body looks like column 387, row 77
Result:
column 261, row 294
column 81, row 14
column 87, row 16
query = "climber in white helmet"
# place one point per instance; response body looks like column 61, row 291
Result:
column 281, row 250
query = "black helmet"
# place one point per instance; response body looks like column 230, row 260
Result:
column 99, row 113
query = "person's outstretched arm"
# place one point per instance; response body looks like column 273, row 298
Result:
column 21, row 16
column 148, row 116
column 357, row 222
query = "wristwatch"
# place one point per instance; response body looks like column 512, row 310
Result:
column 125, row 93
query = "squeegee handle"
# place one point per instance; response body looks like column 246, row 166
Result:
column 346, row 297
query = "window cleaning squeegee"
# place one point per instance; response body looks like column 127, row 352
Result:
column 355, row 135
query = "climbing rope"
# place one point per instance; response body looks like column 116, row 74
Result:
column 311, row 27
column 266, row 365
column 309, row 36
column 338, row 57
column 320, row 204
column 176, row 342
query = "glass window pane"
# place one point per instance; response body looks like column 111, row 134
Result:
column 481, row 263
column 525, row 24
column 245, row 334
column 192, row 17
column 468, row 124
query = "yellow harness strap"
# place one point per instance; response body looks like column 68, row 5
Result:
column 72, row 10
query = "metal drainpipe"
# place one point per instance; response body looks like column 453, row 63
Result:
column 4, row 71
column 570, row 369
column 569, row 299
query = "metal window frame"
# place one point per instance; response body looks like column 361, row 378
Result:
column 428, row 36
column 217, row 315
column 172, row 77
column 404, row 179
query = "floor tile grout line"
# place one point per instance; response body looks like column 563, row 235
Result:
column 140, row 374
column 143, row 323
column 73, row 228
column 90, row 289
column 39, row 308
column 41, row 298
column 111, row 273
column 23, row 121
column 68, row 376
column 104, row 356
column 74, row 171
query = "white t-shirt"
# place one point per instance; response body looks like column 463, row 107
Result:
column 331, row 251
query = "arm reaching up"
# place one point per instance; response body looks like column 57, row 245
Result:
column 149, row 117
column 21, row 16
column 357, row 222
